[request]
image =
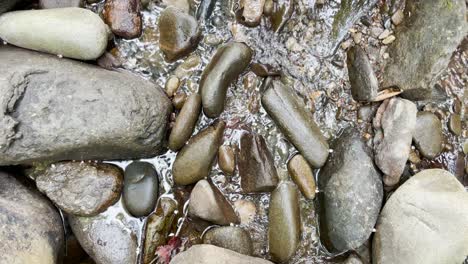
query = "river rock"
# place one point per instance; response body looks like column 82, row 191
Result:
column 284, row 217
column 209, row 204
column 302, row 175
column 158, row 227
column 106, row 238
column 230, row 237
column 227, row 159
column 428, row 136
column 209, row 254
column 195, row 160
column 455, row 124
column 185, row 122
column 227, row 64
column 84, row 189
column 66, row 110
column 47, row 4
column 281, row 14
column 364, row 83
column 296, row 122
column 351, row 194
column 205, row 9
column 123, row 17
column 179, row 100
column 183, row 5
column 250, row 12
column 394, row 124
column 31, row 228
column 256, row 165
column 424, row 221
column 6, row 5
column 418, row 56
column 179, row 33
column 70, row 32
column 141, row 188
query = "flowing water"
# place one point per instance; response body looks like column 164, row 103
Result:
column 308, row 54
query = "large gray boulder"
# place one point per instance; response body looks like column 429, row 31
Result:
column 57, row 109
column 424, row 44
column 31, row 228
column 208, row 254
column 351, row 194
column 424, row 221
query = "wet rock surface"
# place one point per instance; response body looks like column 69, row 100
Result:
column 205, row 9
column 256, row 165
column 123, row 17
column 428, row 136
column 31, row 226
column 364, row 83
column 302, row 175
column 284, row 230
column 209, row 204
column 185, row 122
column 297, row 124
column 427, row 211
column 417, row 57
column 351, row 194
column 141, row 188
column 70, row 32
column 47, row 4
column 35, row 92
column 227, row 64
column 84, row 189
column 179, row 33
column 394, row 123
column 195, row 160
column 230, row 237
column 208, row 254
column 250, row 12
column 227, row 159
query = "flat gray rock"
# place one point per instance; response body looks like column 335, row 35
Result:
column 67, row 110
column 424, row 221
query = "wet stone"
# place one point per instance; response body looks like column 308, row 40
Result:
column 46, row 4
column 123, row 17
column 141, row 191
column 83, row 189
column 208, row 203
column 179, row 100
column 185, row 122
column 281, row 14
column 364, row 84
column 455, row 124
column 250, row 12
column 179, row 33
column 302, row 175
column 227, row 159
column 256, row 165
column 428, row 136
column 172, row 85
column 209, row 254
column 230, row 237
column 183, row 5
column 205, row 9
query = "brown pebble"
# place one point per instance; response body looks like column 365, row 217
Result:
column 302, row 174
column 123, row 17
column 172, row 84
column 227, row 159
column 179, row 100
column 455, row 124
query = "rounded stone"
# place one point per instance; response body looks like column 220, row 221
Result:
column 227, row 159
column 301, row 173
column 428, row 136
column 230, row 237
column 141, row 191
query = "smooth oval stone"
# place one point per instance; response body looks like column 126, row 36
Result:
column 424, row 221
column 209, row 204
column 250, row 12
column 364, row 83
column 195, row 160
column 227, row 159
column 179, row 100
column 179, row 33
column 31, row 228
column 302, row 175
column 230, row 237
column 185, row 122
column 296, row 123
column 83, row 189
column 209, row 254
column 140, row 192
column 284, row 227
column 256, row 165
column 205, row 9
column 428, row 134
column 227, row 64
column 71, row 32
column 351, row 194
column 123, row 17
column 455, row 124
column 46, row 4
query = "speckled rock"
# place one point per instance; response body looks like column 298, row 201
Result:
column 428, row 136
column 179, row 33
column 351, row 194
column 424, row 221
column 209, row 254
column 394, row 124
column 31, row 228
column 284, row 217
column 418, row 56
column 302, row 175
column 123, row 17
column 209, row 204
column 84, row 189
column 230, row 237
column 364, row 83
column 123, row 117
column 141, row 188
column 71, row 32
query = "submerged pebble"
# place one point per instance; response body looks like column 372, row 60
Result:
column 227, row 159
column 185, row 122
column 230, row 237
column 302, row 175
column 141, row 188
